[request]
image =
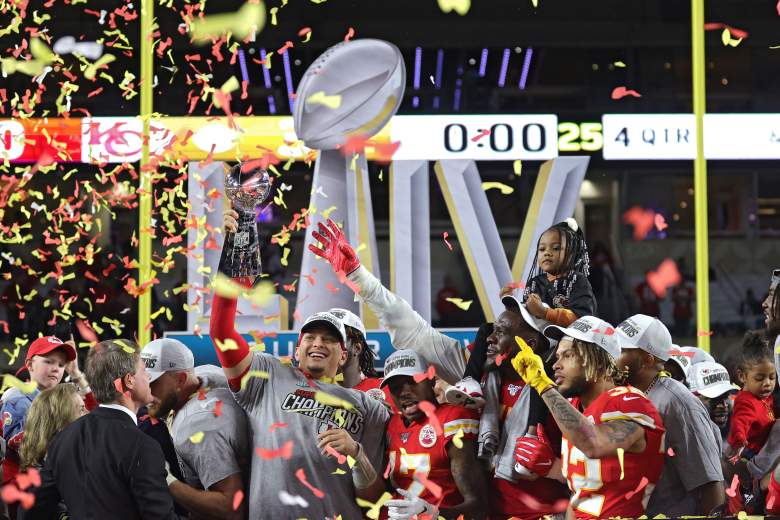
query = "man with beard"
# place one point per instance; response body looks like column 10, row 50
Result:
column 692, row 478
column 209, row 430
column 710, row 382
column 505, row 417
column 612, row 449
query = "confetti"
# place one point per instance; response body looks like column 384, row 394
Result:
column 480, row 135
column 670, row 451
column 320, row 98
column 640, row 487
column 238, row 497
column 664, row 277
column 11, row 494
column 457, row 439
column 302, row 478
column 641, row 219
column 732, row 489
column 660, row 222
column 431, row 486
column 247, row 20
column 251, row 374
column 26, row 388
column 500, row 359
column 341, row 459
column 445, row 235
column 621, row 92
column 430, row 411
column 331, row 400
column 285, row 452
column 292, row 500
column 350, row 34
column 460, row 303
column 505, row 190
column 704, row 333
column 619, row 64
column 374, row 507
column 429, row 374
column 517, row 167
column 620, row 453
column 727, row 40
column 459, row 6
column 197, row 438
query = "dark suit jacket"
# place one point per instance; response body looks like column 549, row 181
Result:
column 104, row 467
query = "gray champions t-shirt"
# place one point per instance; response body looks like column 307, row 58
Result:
column 282, row 408
column 225, row 447
column 695, row 441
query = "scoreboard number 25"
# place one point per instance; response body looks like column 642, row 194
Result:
column 576, row 137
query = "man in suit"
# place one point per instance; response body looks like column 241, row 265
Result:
column 102, row 465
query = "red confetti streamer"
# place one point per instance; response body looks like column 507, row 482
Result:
column 237, row 499
column 284, row 452
column 329, row 286
column 642, row 484
column 387, row 470
column 302, row 477
column 664, row 277
column 621, row 92
column 31, row 478
column 500, row 359
column 660, row 222
column 705, row 333
column 444, row 236
column 11, row 494
column 777, row 7
column 350, row 34
column 95, row 92
column 670, row 452
column 732, row 490
column 715, row 26
column 276, row 426
column 218, row 408
column 429, row 374
column 480, row 135
column 433, row 487
column 201, row 394
column 330, row 450
column 430, row 412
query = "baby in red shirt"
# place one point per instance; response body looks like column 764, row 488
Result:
column 753, row 415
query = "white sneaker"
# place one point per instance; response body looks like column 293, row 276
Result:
column 467, row 393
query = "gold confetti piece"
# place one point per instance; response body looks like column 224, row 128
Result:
column 373, row 507
column 258, row 295
column 619, row 64
column 250, row 18
column 228, row 344
column 620, row 452
column 517, row 166
column 505, row 190
column 535, row 3
column 285, row 254
column 11, row 381
column 464, row 305
column 457, row 439
column 727, row 40
column 331, row 400
column 350, row 461
column 326, row 212
column 230, row 85
column 253, row 373
column 459, row 6
column 90, row 71
column 339, row 471
column 320, row 98
column 197, row 438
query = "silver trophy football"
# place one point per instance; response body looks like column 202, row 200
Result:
column 247, row 189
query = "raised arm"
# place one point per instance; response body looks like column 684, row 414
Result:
column 235, row 361
column 406, row 327
column 470, row 481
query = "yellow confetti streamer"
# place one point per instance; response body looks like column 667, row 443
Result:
column 459, row 6
column 258, row 295
column 253, row 373
column 250, row 18
column 285, row 254
column 320, row 98
column 273, row 12
column 727, row 40
column 457, row 439
column 620, row 452
column 464, row 305
column 228, row 344
column 505, row 190
column 535, row 3
column 373, row 507
column 90, row 71
column 339, row 471
column 619, row 64
column 197, row 438
column 11, row 381
column 517, row 166
column 331, row 400
column 326, row 212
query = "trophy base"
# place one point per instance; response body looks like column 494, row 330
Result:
column 241, row 251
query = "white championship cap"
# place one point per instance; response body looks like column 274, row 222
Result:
column 512, row 301
column 589, row 329
column 709, row 379
column 646, row 333
column 349, row 318
column 328, row 320
column 403, row 363
column 166, row 355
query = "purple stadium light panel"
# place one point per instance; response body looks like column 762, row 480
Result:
column 417, row 65
column 504, row 66
column 416, row 101
column 439, row 66
column 288, row 80
column 242, row 63
column 267, row 83
column 526, row 66
column 483, row 63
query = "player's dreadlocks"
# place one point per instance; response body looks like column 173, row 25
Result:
column 575, row 259
column 366, row 359
column 597, row 362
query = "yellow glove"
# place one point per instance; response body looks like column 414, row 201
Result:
column 530, row 367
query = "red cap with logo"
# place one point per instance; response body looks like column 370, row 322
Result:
column 47, row 344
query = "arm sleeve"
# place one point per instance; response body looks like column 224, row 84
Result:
column 476, row 363
column 741, row 419
column 582, row 301
column 222, row 328
column 14, row 415
column 147, row 482
column 409, row 330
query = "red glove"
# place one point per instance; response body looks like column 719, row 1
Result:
column 335, row 248
column 534, row 455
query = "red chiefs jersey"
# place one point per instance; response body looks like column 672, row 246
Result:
column 417, row 448
column 597, row 487
column 370, row 385
column 525, row 499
